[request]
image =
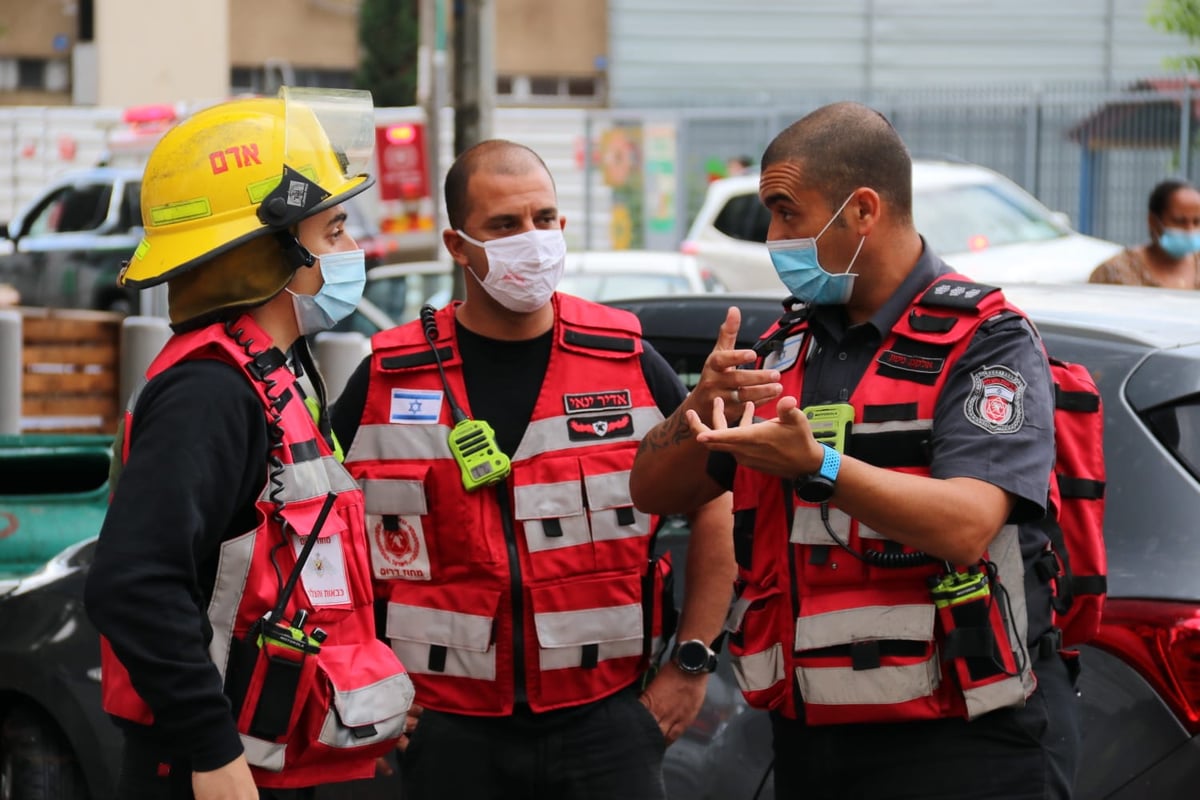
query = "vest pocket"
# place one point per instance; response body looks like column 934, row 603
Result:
column 756, row 617
column 868, row 664
column 590, row 637
column 432, row 640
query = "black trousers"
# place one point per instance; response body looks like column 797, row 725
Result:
column 1028, row 753
column 609, row 749
column 149, row 773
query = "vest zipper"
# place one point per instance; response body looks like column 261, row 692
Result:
column 514, row 577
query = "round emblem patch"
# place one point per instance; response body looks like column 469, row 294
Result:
column 400, row 547
column 996, row 401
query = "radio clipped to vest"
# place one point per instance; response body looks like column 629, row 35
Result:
column 265, row 679
column 830, row 423
column 472, row 442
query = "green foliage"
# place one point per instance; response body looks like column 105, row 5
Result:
column 1178, row 16
column 389, row 32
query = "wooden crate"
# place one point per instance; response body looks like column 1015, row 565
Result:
column 70, row 380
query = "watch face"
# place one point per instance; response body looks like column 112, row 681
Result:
column 816, row 489
column 692, row 656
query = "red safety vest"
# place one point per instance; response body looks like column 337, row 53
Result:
column 303, row 720
column 818, row 633
column 547, row 577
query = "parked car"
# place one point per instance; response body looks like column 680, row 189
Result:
column 979, row 221
column 604, row 275
column 1140, row 692
column 66, row 248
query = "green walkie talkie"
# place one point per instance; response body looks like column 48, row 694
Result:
column 472, row 441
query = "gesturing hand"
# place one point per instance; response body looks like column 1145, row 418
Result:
column 724, row 376
column 783, row 446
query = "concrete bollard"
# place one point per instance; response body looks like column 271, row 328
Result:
column 141, row 340
column 11, row 370
column 338, row 355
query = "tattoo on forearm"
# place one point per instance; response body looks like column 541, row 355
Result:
column 671, row 431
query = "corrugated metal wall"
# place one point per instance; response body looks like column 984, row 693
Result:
column 749, row 52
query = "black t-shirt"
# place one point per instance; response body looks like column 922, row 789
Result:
column 503, row 379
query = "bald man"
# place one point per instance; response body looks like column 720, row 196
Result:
column 516, row 578
column 891, row 613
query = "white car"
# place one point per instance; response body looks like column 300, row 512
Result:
column 980, row 222
column 602, row 275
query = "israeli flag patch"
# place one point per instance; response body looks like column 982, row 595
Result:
column 415, row 406
column 786, row 356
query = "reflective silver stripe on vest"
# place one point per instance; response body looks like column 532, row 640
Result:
column 1005, row 552
column 382, row 705
column 737, row 612
column 562, row 502
column 550, row 435
column 305, row 480
column 398, row 442
column 808, row 527
column 891, row 426
column 400, row 496
column 1001, row 694
column 415, row 630
column 617, row 630
column 882, row 686
column 233, row 566
column 606, row 493
column 263, row 754
column 910, row 622
column 757, row 671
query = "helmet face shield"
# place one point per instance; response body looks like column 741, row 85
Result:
column 347, row 116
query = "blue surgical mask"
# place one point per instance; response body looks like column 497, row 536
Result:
column 345, row 276
column 1179, row 243
column 796, row 264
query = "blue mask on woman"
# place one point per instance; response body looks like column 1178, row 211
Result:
column 797, row 265
column 345, row 276
column 1179, row 243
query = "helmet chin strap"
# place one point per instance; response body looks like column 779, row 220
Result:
column 296, row 254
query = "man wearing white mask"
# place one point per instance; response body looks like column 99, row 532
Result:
column 493, row 440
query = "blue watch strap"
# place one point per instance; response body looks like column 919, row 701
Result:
column 831, row 464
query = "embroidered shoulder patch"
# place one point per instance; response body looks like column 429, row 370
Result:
column 996, row 401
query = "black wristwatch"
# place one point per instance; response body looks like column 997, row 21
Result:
column 694, row 657
column 818, row 487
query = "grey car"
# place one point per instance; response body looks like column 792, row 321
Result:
column 65, row 249
column 1141, row 678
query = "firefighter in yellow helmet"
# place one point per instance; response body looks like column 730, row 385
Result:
column 231, row 580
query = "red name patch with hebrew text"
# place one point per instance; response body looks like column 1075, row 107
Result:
column 597, row 401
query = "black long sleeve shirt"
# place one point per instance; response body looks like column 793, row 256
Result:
column 197, row 462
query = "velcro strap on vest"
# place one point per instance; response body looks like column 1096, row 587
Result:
column 437, row 658
column 422, row 358
column 1089, row 584
column 930, row 323
column 865, row 655
column 892, row 449
column 1076, row 401
column 590, row 657
column 890, row 412
column 617, row 344
column 305, row 451
column 1083, row 488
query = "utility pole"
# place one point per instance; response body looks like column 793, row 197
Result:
column 474, row 83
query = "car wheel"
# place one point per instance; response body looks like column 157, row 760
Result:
column 35, row 761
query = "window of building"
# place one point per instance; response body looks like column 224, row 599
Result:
column 31, row 73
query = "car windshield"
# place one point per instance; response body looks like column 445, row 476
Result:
column 971, row 217
column 621, row 286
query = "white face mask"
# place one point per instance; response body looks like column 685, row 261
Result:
column 523, row 270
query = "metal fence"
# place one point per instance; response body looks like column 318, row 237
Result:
column 1089, row 150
